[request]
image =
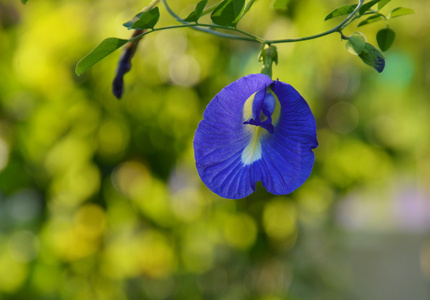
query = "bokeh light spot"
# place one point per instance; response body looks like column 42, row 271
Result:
column 23, row 246
column 240, row 230
column 279, row 219
column 90, row 220
column 186, row 204
column 129, row 177
column 78, row 184
column 25, row 205
column 13, row 273
column 67, row 241
column 184, row 71
column 156, row 255
column 314, row 200
column 112, row 139
column 148, row 252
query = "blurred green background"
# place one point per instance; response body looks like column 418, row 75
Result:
column 100, row 199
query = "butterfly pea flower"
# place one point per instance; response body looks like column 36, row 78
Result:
column 255, row 129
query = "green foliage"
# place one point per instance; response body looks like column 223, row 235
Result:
column 363, row 9
column 372, row 19
column 228, row 13
column 24, row 1
column 105, row 48
column 144, row 20
column 400, row 11
column 280, row 4
column 197, row 13
column 373, row 57
column 382, row 3
column 385, row 38
column 356, row 43
column 341, row 11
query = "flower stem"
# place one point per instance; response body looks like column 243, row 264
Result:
column 337, row 28
column 206, row 28
column 269, row 55
column 246, row 36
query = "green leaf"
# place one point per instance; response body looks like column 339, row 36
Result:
column 248, row 7
column 373, row 57
column 24, row 1
column 280, row 4
column 228, row 12
column 400, row 11
column 340, row 11
column 144, row 20
column 382, row 3
column 105, row 48
column 367, row 6
column 385, row 38
column 148, row 19
column 371, row 19
column 131, row 22
column 197, row 13
column 356, row 43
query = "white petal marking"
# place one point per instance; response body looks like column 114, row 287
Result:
column 252, row 151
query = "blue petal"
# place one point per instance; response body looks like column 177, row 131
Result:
column 263, row 105
column 285, row 158
column 287, row 153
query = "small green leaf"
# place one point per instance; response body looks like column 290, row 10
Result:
column 197, row 13
column 340, row 11
column 148, row 19
column 373, row 57
column 24, row 1
column 400, row 11
column 228, row 12
column 144, row 20
column 280, row 4
column 371, row 19
column 356, row 43
column 131, row 22
column 382, row 3
column 367, row 6
column 105, row 48
column 385, row 38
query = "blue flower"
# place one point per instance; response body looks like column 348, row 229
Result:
column 255, row 129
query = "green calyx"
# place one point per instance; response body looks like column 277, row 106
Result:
column 268, row 55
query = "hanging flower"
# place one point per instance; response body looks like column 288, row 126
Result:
column 255, row 129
